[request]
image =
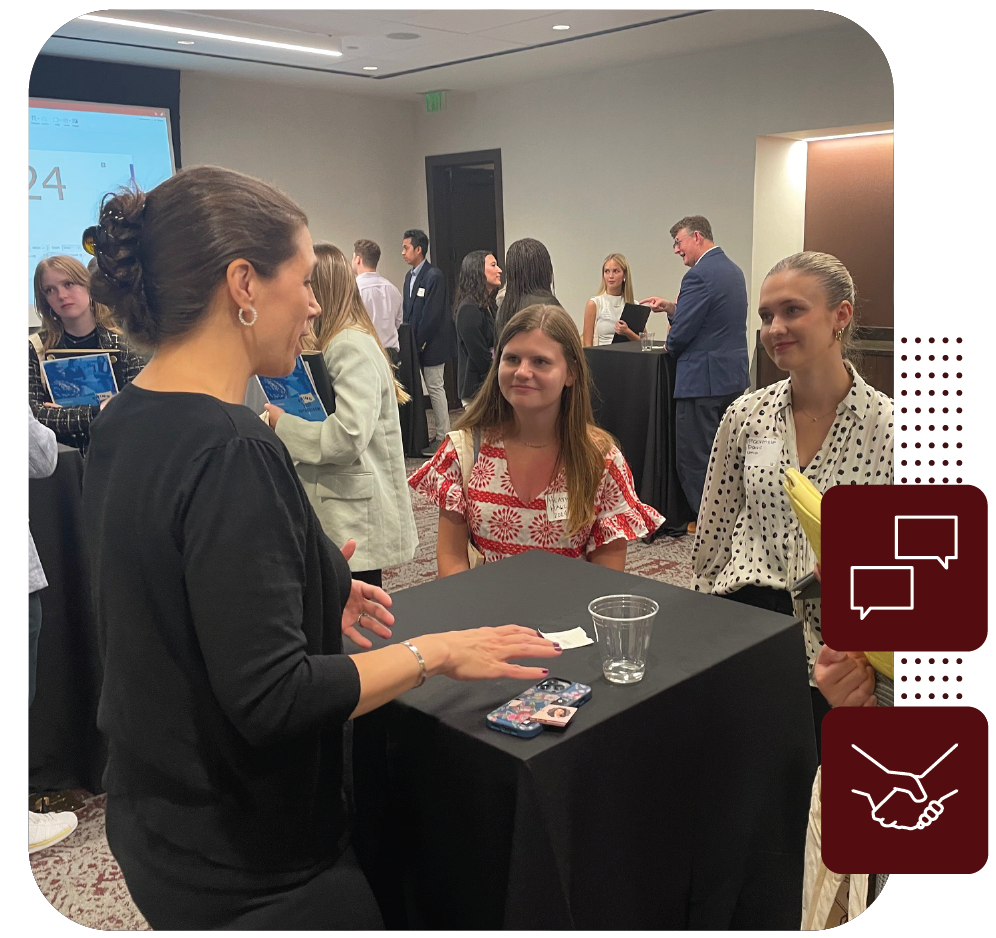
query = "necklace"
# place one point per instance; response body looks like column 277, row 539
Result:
column 535, row 445
column 75, row 341
column 815, row 419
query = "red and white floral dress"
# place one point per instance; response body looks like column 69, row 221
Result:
column 502, row 525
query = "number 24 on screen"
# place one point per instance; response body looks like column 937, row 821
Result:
column 47, row 183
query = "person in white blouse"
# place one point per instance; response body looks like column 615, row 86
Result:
column 352, row 464
column 823, row 420
column 602, row 312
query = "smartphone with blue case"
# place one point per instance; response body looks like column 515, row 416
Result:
column 514, row 717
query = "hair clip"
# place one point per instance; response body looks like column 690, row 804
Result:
column 89, row 240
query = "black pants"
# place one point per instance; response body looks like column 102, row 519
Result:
column 373, row 577
column 775, row 600
column 179, row 890
column 696, row 420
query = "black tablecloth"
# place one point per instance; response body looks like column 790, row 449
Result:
column 678, row 802
column 633, row 400
column 414, row 427
column 65, row 749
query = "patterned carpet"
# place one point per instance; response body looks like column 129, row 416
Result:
column 80, row 877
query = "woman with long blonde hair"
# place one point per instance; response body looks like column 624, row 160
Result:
column 602, row 313
column 352, row 464
column 545, row 477
column 71, row 319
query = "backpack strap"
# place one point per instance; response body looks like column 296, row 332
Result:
column 34, row 340
column 468, row 447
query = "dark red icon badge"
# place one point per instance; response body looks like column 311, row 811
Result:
column 904, row 566
column 904, row 790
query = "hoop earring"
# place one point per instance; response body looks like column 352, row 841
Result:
column 251, row 322
column 839, row 335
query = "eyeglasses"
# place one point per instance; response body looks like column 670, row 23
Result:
column 677, row 241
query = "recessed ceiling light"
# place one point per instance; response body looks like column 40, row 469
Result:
column 561, row 27
column 201, row 34
column 185, row 42
column 370, row 68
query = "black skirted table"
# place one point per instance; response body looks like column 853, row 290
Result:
column 634, row 401
column 65, row 748
column 414, row 427
column 678, row 802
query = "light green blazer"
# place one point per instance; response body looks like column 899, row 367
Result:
column 352, row 464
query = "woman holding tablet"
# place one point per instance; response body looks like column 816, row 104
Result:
column 352, row 464
column 71, row 320
column 602, row 313
column 220, row 602
column 545, row 477
column 823, row 420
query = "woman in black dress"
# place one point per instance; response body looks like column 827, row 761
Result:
column 220, row 602
column 474, row 310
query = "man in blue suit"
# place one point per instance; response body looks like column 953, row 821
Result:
column 708, row 338
column 424, row 306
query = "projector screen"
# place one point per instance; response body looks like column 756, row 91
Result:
column 77, row 152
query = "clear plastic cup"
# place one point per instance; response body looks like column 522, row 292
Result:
column 623, row 624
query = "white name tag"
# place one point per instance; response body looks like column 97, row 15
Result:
column 420, row 291
column 765, row 453
column 556, row 506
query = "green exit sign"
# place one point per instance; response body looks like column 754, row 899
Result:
column 435, row 101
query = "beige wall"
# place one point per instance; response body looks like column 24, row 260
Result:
column 779, row 213
column 608, row 161
column 344, row 158
column 592, row 163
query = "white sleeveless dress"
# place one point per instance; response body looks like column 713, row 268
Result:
column 608, row 309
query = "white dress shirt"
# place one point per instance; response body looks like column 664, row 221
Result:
column 747, row 533
column 383, row 302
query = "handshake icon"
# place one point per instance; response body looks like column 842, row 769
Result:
column 905, row 789
column 914, row 812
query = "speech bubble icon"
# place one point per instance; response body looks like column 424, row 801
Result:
column 927, row 537
column 884, row 588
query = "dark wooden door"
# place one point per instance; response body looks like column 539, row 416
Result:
column 465, row 214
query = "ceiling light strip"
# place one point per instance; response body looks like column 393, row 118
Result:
column 181, row 31
column 906, row 130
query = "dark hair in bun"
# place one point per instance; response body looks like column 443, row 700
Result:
column 161, row 255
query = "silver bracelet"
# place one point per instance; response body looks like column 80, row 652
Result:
column 421, row 662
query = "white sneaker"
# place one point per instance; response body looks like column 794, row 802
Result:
column 45, row 830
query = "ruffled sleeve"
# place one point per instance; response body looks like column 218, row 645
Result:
column 618, row 511
column 441, row 479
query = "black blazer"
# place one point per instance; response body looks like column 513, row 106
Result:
column 432, row 326
column 475, row 329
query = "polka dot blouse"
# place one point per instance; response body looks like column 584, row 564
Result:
column 747, row 532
